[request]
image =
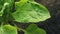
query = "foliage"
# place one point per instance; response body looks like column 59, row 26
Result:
column 33, row 12
column 8, row 29
column 33, row 29
column 26, row 11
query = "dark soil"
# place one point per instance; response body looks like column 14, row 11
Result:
column 52, row 25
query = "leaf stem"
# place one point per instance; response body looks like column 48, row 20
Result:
column 4, row 7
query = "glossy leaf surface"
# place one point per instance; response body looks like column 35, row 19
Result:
column 30, row 11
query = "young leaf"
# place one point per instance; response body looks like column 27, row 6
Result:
column 33, row 29
column 8, row 29
column 30, row 12
column 6, row 11
column 3, row 5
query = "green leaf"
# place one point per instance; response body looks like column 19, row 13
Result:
column 23, row 0
column 3, row 5
column 30, row 12
column 31, row 0
column 33, row 29
column 8, row 29
column 6, row 10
